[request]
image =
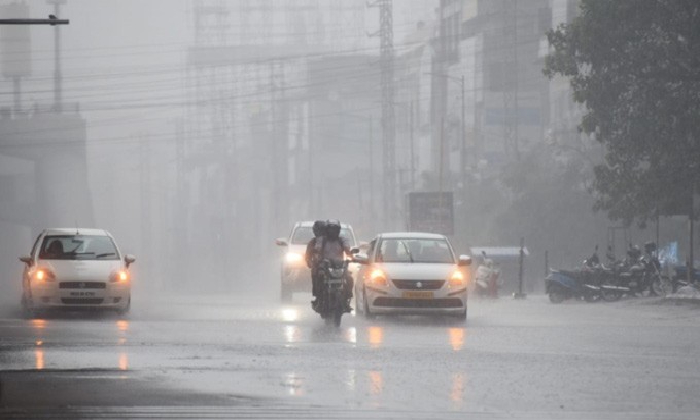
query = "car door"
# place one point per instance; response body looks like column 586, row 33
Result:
column 27, row 268
column 365, row 269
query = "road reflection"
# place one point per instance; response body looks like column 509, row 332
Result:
column 294, row 384
column 123, row 361
column 292, row 334
column 456, row 338
column 39, row 358
column 376, row 336
column 376, row 382
column 457, row 393
column 39, row 324
column 123, row 325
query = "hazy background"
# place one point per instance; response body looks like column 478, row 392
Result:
column 211, row 126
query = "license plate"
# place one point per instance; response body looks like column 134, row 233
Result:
column 82, row 294
column 417, row 295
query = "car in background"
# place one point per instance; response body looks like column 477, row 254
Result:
column 76, row 268
column 295, row 276
column 408, row 272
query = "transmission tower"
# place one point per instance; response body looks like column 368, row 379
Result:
column 386, row 61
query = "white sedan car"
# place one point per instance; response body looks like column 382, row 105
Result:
column 76, row 268
column 412, row 273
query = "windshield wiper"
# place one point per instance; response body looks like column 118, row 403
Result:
column 106, row 254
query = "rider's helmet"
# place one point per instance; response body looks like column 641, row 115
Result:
column 319, row 227
column 333, row 228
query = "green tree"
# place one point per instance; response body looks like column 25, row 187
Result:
column 635, row 65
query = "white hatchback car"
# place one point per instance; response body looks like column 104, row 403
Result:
column 76, row 268
column 412, row 273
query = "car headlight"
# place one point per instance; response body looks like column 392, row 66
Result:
column 458, row 279
column 378, row 278
column 119, row 276
column 293, row 257
column 44, row 275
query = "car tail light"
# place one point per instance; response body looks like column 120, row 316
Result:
column 43, row 275
column 458, row 279
column 121, row 276
column 379, row 278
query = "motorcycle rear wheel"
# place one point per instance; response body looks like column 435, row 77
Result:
column 661, row 286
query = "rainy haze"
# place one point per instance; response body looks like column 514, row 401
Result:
column 185, row 148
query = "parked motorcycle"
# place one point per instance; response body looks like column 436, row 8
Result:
column 331, row 302
column 561, row 285
column 634, row 275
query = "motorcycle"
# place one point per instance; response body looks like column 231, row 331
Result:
column 331, row 303
column 561, row 285
column 635, row 275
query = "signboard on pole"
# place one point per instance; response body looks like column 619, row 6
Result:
column 431, row 212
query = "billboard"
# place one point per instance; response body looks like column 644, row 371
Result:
column 431, row 212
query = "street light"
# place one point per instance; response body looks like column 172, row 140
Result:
column 463, row 149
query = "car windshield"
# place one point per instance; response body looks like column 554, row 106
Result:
column 411, row 250
column 302, row 235
column 78, row 247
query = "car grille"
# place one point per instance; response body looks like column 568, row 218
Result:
column 424, row 284
column 82, row 285
column 418, row 303
column 72, row 301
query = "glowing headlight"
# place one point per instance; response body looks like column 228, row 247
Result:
column 43, row 275
column 379, row 278
column 293, row 257
column 121, row 276
column 457, row 279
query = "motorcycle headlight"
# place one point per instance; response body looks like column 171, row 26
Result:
column 293, row 257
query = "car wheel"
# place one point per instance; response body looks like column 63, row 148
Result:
column 125, row 309
column 611, row 295
column 365, row 306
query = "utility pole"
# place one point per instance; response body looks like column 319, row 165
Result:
column 58, row 77
column 413, row 156
column 463, row 157
column 386, row 60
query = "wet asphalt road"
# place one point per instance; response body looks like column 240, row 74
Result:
column 247, row 357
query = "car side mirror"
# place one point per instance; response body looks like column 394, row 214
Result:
column 354, row 250
column 360, row 258
column 464, row 261
column 27, row 259
column 281, row 241
column 129, row 259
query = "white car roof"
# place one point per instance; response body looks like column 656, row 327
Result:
column 73, row 231
column 310, row 223
column 416, row 235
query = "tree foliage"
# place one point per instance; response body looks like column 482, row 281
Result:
column 635, row 64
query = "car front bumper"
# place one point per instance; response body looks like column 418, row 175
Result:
column 80, row 294
column 397, row 301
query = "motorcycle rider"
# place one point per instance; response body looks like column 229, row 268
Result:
column 313, row 257
column 335, row 247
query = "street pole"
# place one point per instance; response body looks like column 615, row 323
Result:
column 463, row 157
column 371, row 170
column 413, row 159
column 442, row 152
column 520, row 294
